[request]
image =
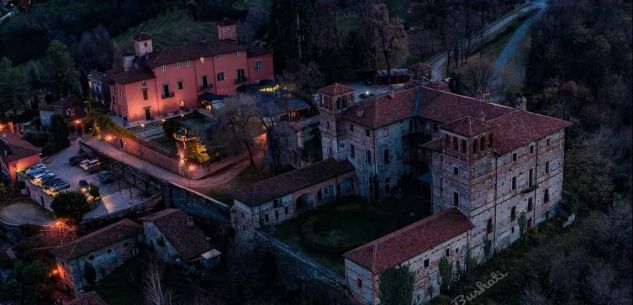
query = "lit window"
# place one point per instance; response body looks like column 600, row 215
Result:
column 258, row 65
column 237, row 53
column 220, row 57
column 177, row 64
column 188, row 62
column 201, row 60
column 163, row 68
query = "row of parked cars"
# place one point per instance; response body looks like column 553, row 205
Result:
column 92, row 165
column 44, row 178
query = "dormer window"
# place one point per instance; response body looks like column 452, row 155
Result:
column 474, row 146
column 482, row 143
column 464, row 146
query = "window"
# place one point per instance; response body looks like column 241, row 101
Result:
column 546, row 166
column 547, row 141
column 368, row 157
column 531, row 149
column 530, row 177
column 276, row 214
column 177, row 64
column 474, row 146
column 454, row 143
column 455, row 170
column 359, row 283
column 514, row 183
column 240, row 75
column 220, row 76
column 201, row 60
column 463, row 146
column 386, row 156
column 237, row 53
column 258, row 65
column 220, row 57
column 205, row 82
column 448, row 252
column 482, row 143
column 367, row 133
column 266, row 217
column 163, row 68
column 514, row 157
column 180, row 85
column 546, row 195
column 529, row 207
column 455, row 199
column 385, row 132
column 351, row 127
column 166, row 90
column 456, row 250
column 143, row 83
column 489, row 140
column 145, row 44
column 489, row 226
column 513, row 213
column 352, row 151
column 447, row 140
column 286, row 210
column 188, row 62
column 145, row 97
column 276, row 203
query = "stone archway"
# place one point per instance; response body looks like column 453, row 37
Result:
column 305, row 202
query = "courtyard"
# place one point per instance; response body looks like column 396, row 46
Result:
column 325, row 234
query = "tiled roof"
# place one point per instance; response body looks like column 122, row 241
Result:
column 519, row 128
column 434, row 145
column 402, row 245
column 142, row 36
column 252, row 51
column 193, row 51
column 382, row 110
column 468, row 126
column 88, row 298
column 278, row 186
column 187, row 239
column 121, row 76
column 99, row 239
column 335, row 89
column 18, row 148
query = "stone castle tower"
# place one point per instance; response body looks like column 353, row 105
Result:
column 332, row 100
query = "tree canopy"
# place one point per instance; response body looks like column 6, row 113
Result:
column 396, row 286
column 70, row 206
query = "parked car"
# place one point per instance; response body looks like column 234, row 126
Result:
column 75, row 160
column 35, row 169
column 87, row 166
column 105, row 177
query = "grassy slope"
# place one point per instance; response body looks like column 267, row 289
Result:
column 168, row 30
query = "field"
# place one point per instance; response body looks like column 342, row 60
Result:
column 339, row 230
column 166, row 30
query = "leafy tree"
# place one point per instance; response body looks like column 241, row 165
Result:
column 63, row 77
column 446, row 274
column 589, row 174
column 13, row 89
column 396, row 286
column 522, row 223
column 171, row 126
column 70, row 206
column 93, row 190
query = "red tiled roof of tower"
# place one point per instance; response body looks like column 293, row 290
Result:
column 121, row 76
column 468, row 126
column 186, row 238
column 522, row 127
column 99, row 239
column 142, row 36
column 401, row 245
column 88, row 298
column 383, row 110
column 275, row 187
column 335, row 89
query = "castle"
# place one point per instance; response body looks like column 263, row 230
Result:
column 492, row 167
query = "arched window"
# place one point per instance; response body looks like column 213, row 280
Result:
column 454, row 143
column 463, row 146
column 475, row 146
column 482, row 143
column 489, row 140
column 447, row 140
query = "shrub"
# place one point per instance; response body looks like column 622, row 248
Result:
column 37, row 138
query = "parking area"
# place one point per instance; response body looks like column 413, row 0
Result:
column 115, row 194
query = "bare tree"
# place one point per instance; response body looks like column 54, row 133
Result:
column 155, row 294
column 389, row 37
column 476, row 75
column 239, row 123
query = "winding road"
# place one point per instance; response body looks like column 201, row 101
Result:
column 438, row 62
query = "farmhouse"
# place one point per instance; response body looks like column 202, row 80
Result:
column 101, row 251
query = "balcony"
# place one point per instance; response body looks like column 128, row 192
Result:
column 241, row 80
column 168, row 95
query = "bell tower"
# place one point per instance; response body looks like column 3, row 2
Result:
column 332, row 100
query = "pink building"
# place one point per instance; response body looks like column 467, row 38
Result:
column 154, row 83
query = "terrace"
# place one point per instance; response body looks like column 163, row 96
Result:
column 325, row 234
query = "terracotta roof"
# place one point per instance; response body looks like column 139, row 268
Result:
column 67, row 102
column 17, row 148
column 193, row 51
column 142, row 36
column 252, row 51
column 275, row 187
column 468, row 126
column 402, row 245
column 88, row 298
column 99, row 239
column 382, row 110
column 187, row 239
column 121, row 76
column 335, row 89
column 519, row 128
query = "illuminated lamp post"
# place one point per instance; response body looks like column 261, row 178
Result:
column 183, row 137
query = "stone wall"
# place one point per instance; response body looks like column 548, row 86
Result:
column 195, row 203
column 159, row 243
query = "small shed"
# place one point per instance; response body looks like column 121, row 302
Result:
column 211, row 258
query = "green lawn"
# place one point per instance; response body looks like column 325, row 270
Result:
column 165, row 143
column 350, row 228
column 166, row 30
column 120, row 287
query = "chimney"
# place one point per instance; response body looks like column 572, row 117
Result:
column 521, row 103
column 128, row 61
